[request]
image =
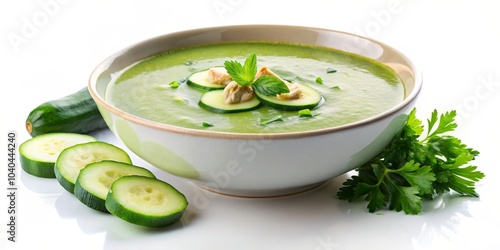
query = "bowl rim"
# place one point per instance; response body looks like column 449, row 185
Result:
column 101, row 67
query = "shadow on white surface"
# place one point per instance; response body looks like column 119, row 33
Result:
column 40, row 185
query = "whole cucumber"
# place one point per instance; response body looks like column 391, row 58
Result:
column 75, row 113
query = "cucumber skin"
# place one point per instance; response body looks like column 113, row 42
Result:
column 262, row 98
column 66, row 184
column 114, row 207
column 93, row 201
column 118, row 210
column 203, row 104
column 38, row 169
column 75, row 113
column 45, row 168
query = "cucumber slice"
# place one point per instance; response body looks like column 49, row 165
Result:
column 145, row 201
column 95, row 179
column 310, row 98
column 73, row 159
column 200, row 81
column 213, row 101
column 39, row 154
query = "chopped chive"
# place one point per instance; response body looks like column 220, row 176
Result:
column 178, row 99
column 319, row 80
column 305, row 112
column 264, row 122
column 335, row 87
column 207, row 124
column 330, row 70
column 174, row 84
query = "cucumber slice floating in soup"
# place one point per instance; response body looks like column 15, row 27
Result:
column 73, row 159
column 145, row 201
column 39, row 154
column 200, row 80
column 95, row 179
column 310, row 98
column 213, row 101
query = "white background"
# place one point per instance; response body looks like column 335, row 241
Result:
column 48, row 49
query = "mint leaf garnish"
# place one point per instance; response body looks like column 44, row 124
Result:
column 270, row 86
column 242, row 74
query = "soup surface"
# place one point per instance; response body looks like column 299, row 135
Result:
column 353, row 87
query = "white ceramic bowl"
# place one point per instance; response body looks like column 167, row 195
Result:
column 257, row 165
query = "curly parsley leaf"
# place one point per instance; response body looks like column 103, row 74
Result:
column 242, row 74
column 319, row 80
column 412, row 168
column 446, row 123
column 330, row 70
column 417, row 176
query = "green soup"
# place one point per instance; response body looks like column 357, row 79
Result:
column 356, row 89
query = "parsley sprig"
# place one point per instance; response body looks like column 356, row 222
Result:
column 414, row 167
column 245, row 75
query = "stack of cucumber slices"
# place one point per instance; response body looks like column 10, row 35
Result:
column 103, row 177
